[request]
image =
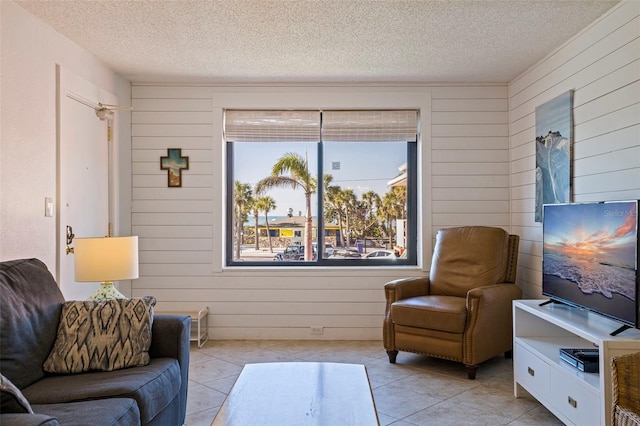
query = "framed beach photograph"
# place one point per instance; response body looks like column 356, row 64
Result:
column 554, row 138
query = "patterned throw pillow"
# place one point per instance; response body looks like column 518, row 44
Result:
column 102, row 335
column 13, row 401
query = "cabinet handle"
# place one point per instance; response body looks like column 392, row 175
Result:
column 572, row 402
column 531, row 371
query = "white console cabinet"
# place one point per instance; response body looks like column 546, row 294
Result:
column 539, row 332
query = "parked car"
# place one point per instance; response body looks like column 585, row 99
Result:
column 293, row 252
column 377, row 254
column 369, row 244
column 344, row 253
column 328, row 249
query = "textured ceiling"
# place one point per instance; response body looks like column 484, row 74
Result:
column 279, row 41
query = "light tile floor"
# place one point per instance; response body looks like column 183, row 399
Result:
column 417, row 390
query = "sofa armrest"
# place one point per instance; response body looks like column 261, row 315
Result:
column 27, row 419
column 170, row 335
column 489, row 322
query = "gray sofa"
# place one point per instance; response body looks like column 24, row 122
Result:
column 30, row 307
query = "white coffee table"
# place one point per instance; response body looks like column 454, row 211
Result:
column 299, row 393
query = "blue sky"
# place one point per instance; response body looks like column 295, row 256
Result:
column 362, row 167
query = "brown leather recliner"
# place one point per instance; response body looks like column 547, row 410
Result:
column 462, row 311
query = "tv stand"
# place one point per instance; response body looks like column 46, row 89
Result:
column 539, row 332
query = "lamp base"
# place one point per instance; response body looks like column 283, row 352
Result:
column 107, row 291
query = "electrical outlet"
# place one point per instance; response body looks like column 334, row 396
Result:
column 317, row 330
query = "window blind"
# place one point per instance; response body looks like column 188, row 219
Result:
column 305, row 126
column 272, row 126
column 369, row 126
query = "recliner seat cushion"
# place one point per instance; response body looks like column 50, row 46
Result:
column 468, row 257
column 153, row 386
column 444, row 313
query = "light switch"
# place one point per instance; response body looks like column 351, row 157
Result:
column 48, row 207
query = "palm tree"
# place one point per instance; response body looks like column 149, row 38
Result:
column 256, row 212
column 392, row 207
column 346, row 200
column 385, row 214
column 242, row 197
column 332, row 206
column 266, row 204
column 292, row 171
column 371, row 203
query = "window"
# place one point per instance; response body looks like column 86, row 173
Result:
column 321, row 187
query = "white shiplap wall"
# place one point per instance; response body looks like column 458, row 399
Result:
column 470, row 157
column 466, row 148
column 602, row 66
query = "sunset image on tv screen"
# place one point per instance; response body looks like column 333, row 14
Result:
column 593, row 247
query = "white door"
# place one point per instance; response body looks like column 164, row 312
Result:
column 83, row 173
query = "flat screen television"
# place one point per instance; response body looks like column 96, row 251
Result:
column 590, row 258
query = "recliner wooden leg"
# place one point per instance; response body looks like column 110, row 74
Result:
column 392, row 356
column 471, row 371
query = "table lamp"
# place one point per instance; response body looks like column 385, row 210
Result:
column 106, row 259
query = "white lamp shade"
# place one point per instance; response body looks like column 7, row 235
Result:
column 106, row 259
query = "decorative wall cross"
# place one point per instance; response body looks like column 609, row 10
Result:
column 174, row 163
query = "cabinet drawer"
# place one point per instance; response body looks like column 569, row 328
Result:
column 574, row 399
column 531, row 372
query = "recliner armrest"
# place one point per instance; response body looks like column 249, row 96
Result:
column 405, row 288
column 402, row 288
column 489, row 321
column 497, row 293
